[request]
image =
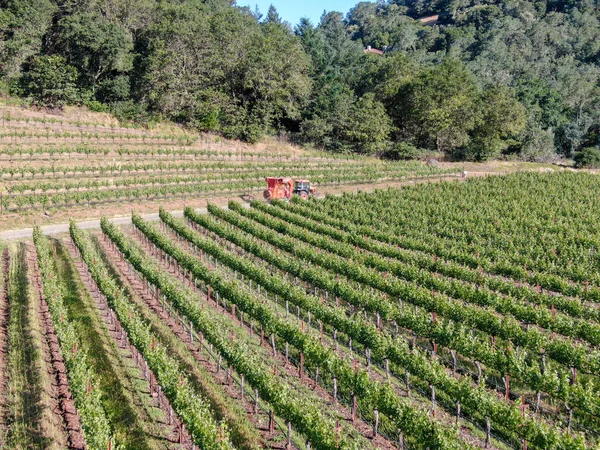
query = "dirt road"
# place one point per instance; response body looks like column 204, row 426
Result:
column 89, row 224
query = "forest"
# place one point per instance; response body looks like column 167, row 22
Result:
column 473, row 79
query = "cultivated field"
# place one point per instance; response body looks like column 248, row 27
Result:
column 444, row 315
column 448, row 315
column 83, row 165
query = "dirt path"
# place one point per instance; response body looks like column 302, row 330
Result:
column 30, row 420
column 149, row 208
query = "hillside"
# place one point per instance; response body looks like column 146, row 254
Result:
column 480, row 80
column 83, row 165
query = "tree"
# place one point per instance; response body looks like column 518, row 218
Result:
column 23, row 24
column 273, row 15
column 588, row 157
column 502, row 119
column 96, row 46
column 538, row 144
column 368, row 127
column 49, row 81
column 440, row 106
column 221, row 70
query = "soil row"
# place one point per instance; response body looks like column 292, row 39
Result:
column 343, row 351
column 256, row 417
column 4, row 319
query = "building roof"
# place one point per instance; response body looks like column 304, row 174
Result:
column 430, row 20
column 369, row 49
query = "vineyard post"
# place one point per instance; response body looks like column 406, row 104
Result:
column 376, row 425
column 353, row 407
column 255, row 401
column 458, row 408
column 488, row 432
column 271, row 421
column 400, row 440
column 289, row 436
column 453, row 354
column 334, row 390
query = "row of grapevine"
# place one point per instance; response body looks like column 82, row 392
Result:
column 564, row 350
column 112, row 136
column 538, row 314
column 318, row 429
column 119, row 168
column 357, row 381
column 87, row 396
column 190, row 406
column 362, row 174
column 378, row 242
column 560, row 214
column 446, row 334
column 383, row 347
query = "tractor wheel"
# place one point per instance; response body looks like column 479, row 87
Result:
column 304, row 195
column 267, row 194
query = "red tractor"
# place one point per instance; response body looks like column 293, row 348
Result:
column 284, row 188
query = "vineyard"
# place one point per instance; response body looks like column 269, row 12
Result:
column 56, row 167
column 437, row 316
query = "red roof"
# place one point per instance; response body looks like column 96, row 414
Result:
column 369, row 49
column 430, row 20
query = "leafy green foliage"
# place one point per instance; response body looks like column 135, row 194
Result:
column 50, row 82
column 588, row 157
column 94, row 418
column 191, row 407
column 481, row 81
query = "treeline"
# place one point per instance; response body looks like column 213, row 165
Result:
column 480, row 80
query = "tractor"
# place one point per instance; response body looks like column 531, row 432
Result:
column 284, row 188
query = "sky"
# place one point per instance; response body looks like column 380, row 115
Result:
column 292, row 10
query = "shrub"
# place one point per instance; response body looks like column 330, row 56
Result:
column 403, row 151
column 588, row 157
column 49, row 81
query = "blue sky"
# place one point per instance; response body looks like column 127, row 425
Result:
column 292, row 10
